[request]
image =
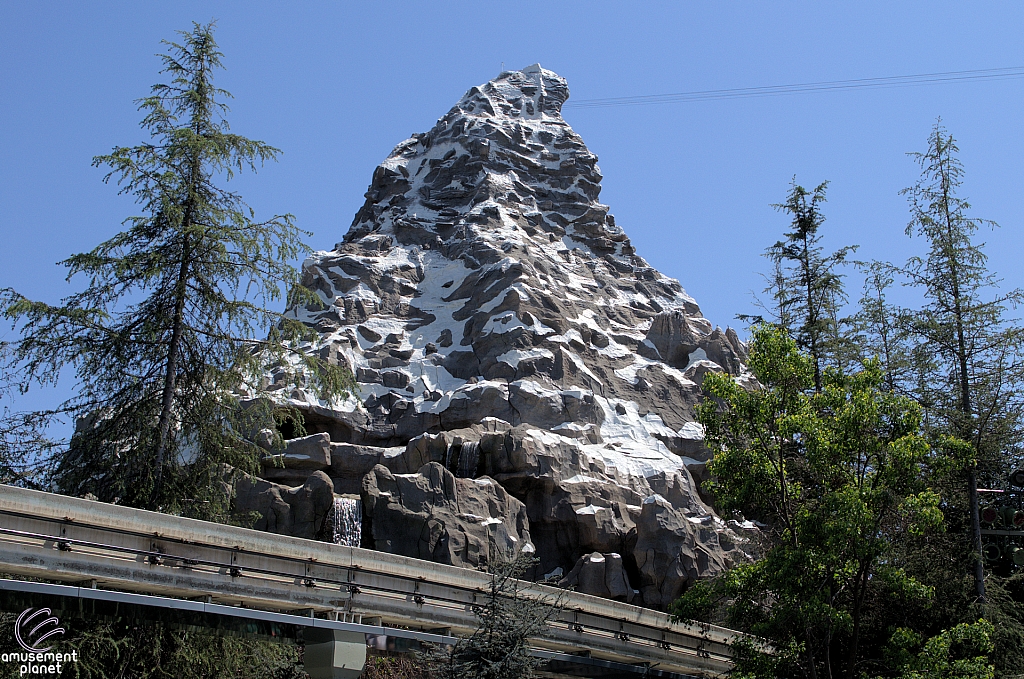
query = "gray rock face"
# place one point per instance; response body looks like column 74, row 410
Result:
column 501, row 325
column 600, row 575
column 308, row 452
column 299, row 511
column 673, row 550
column 299, row 458
column 433, row 515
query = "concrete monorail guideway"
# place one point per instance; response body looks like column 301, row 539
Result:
column 144, row 558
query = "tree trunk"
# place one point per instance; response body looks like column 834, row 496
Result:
column 979, row 564
column 859, row 591
column 199, row 115
column 966, row 408
column 812, row 660
column 171, row 374
column 812, row 315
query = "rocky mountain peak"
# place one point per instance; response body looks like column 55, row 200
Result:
column 501, row 158
column 503, row 329
column 533, row 92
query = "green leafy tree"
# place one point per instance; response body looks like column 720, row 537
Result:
column 838, row 476
column 958, row 653
column 165, row 337
column 968, row 368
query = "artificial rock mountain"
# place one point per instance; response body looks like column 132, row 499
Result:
column 525, row 379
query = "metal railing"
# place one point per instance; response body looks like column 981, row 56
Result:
column 70, row 539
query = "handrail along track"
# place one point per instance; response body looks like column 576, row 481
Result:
column 71, row 539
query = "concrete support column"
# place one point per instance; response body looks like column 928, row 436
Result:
column 334, row 654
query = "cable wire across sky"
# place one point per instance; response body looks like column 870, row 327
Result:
column 826, row 86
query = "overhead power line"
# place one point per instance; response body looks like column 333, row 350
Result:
column 827, row 86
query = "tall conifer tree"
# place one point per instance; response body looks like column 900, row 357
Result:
column 806, row 288
column 971, row 380
column 165, row 335
column 882, row 330
column 507, row 618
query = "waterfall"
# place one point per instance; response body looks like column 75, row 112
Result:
column 346, row 520
column 469, row 458
column 462, row 458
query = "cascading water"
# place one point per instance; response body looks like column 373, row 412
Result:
column 469, row 459
column 462, row 458
column 347, row 521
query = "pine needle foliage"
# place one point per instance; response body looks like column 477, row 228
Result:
column 146, row 649
column 805, row 286
column 24, row 444
column 507, row 619
column 970, row 354
column 166, row 333
column 880, row 330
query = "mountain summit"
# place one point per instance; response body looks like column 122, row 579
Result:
column 503, row 330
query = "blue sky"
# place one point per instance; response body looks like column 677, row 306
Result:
column 337, row 85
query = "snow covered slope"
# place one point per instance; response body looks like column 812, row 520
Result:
column 483, row 279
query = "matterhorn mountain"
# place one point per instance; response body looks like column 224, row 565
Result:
column 526, row 381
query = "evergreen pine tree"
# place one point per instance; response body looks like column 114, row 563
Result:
column 164, row 337
column 507, row 619
column 880, row 329
column 969, row 367
column 806, row 289
column 23, row 441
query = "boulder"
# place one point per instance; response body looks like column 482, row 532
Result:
column 724, row 349
column 349, row 460
column 299, row 511
column 284, row 476
column 600, row 575
column 350, row 463
column 674, row 550
column 433, row 515
column 309, row 452
column 672, row 339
